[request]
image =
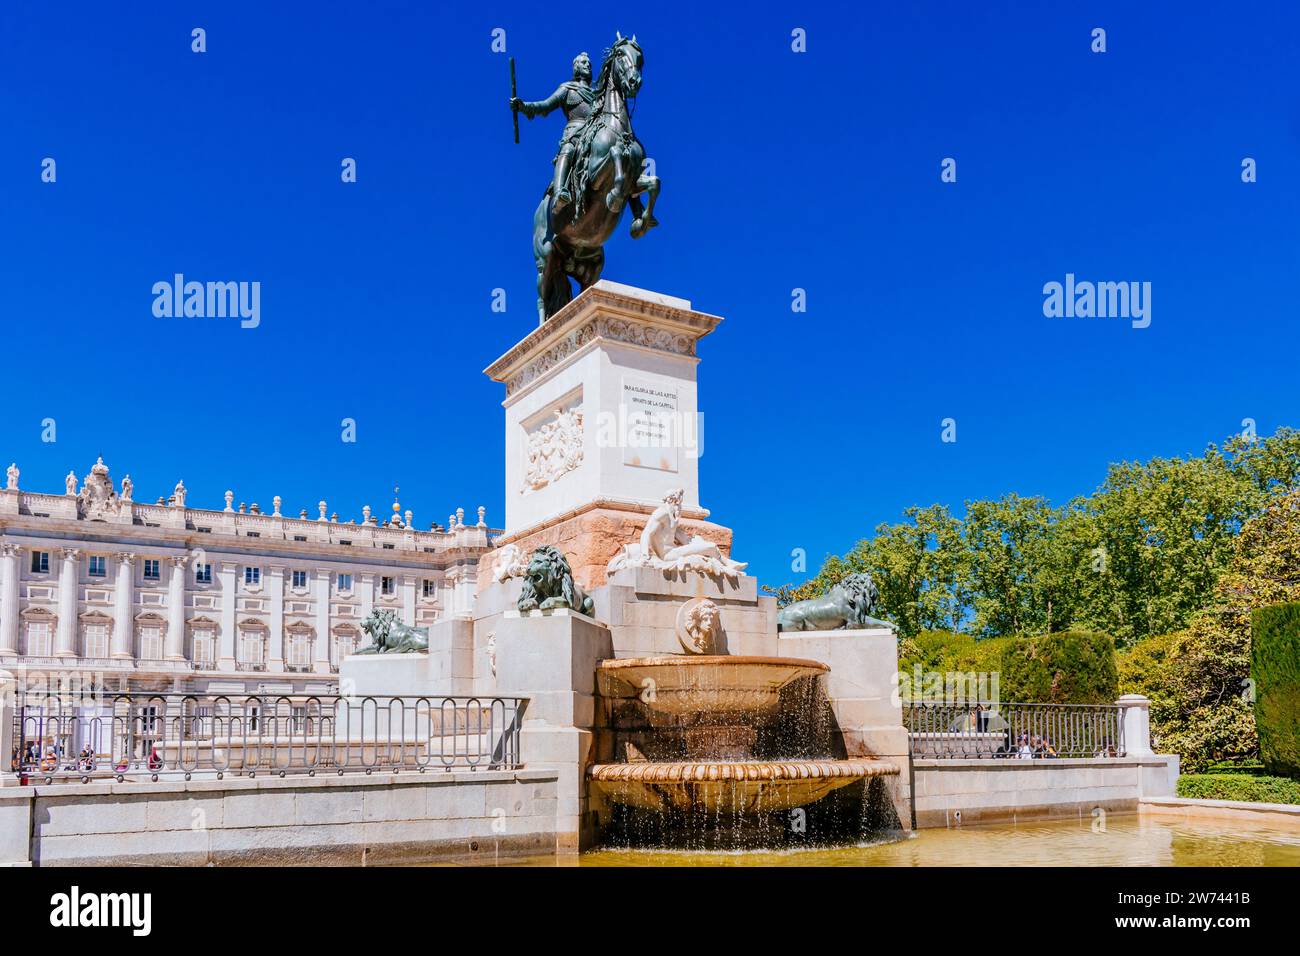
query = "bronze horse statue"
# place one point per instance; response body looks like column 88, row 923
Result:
column 605, row 175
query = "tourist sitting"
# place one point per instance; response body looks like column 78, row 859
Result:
column 1026, row 752
column 155, row 760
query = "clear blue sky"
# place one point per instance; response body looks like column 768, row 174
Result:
column 781, row 170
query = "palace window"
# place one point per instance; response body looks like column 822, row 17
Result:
column 344, row 583
column 389, row 547
column 387, row 586
column 151, row 569
column 345, row 643
column 252, row 651
column 95, row 640
column 98, row 567
column 300, row 579
column 252, row 575
column 299, row 657
column 40, row 562
column 205, row 647
column 38, row 639
column 300, row 537
column 202, row 574
column 151, row 642
column 430, row 588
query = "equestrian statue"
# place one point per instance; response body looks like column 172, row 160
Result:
column 598, row 170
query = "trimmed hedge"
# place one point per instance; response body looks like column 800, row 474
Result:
column 1275, row 669
column 1062, row 667
column 1239, row 786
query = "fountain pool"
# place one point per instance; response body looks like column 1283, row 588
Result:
column 1132, row 839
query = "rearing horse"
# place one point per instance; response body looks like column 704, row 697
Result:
column 606, row 174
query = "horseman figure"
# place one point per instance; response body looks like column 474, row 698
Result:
column 574, row 97
column 597, row 172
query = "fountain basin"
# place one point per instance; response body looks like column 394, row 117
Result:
column 739, row 787
column 686, row 689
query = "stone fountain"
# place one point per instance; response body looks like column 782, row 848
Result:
column 719, row 750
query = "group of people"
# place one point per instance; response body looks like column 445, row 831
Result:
column 1030, row 748
column 51, row 758
column 1027, row 748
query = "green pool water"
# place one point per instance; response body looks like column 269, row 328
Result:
column 1127, row 840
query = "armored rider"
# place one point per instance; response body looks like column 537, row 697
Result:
column 574, row 97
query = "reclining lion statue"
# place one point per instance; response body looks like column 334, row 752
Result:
column 388, row 635
column 846, row 605
column 549, row 583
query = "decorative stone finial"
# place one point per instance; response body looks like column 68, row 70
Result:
column 275, row 503
column 241, row 508
column 408, row 517
column 303, row 514
column 482, row 516
column 230, row 497
column 460, row 518
column 11, row 476
column 365, row 515
column 321, row 506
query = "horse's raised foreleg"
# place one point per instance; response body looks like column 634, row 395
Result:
column 614, row 198
column 642, row 222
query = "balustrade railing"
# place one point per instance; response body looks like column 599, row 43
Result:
column 1012, row 730
column 182, row 736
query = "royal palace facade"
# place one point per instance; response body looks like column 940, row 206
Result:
column 101, row 591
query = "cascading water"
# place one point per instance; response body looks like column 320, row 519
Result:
column 715, row 752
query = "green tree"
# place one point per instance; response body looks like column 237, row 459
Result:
column 1198, row 679
column 1060, row 667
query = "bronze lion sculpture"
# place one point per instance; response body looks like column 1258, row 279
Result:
column 847, row 604
column 549, row 583
column 388, row 635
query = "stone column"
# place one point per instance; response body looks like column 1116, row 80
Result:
column 123, row 601
column 466, row 586
column 365, row 590
column 174, row 649
column 1136, row 717
column 10, row 555
column 277, row 649
column 322, row 650
column 408, row 599
column 8, row 702
column 66, row 645
column 229, row 599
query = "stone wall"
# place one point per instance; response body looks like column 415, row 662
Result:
column 351, row 819
column 957, row 792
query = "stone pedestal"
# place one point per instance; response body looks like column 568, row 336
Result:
column 447, row 670
column 600, row 422
column 592, row 535
column 863, row 691
column 550, row 657
column 641, row 606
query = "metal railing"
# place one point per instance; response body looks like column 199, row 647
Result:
column 1025, row 731
column 181, row 736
